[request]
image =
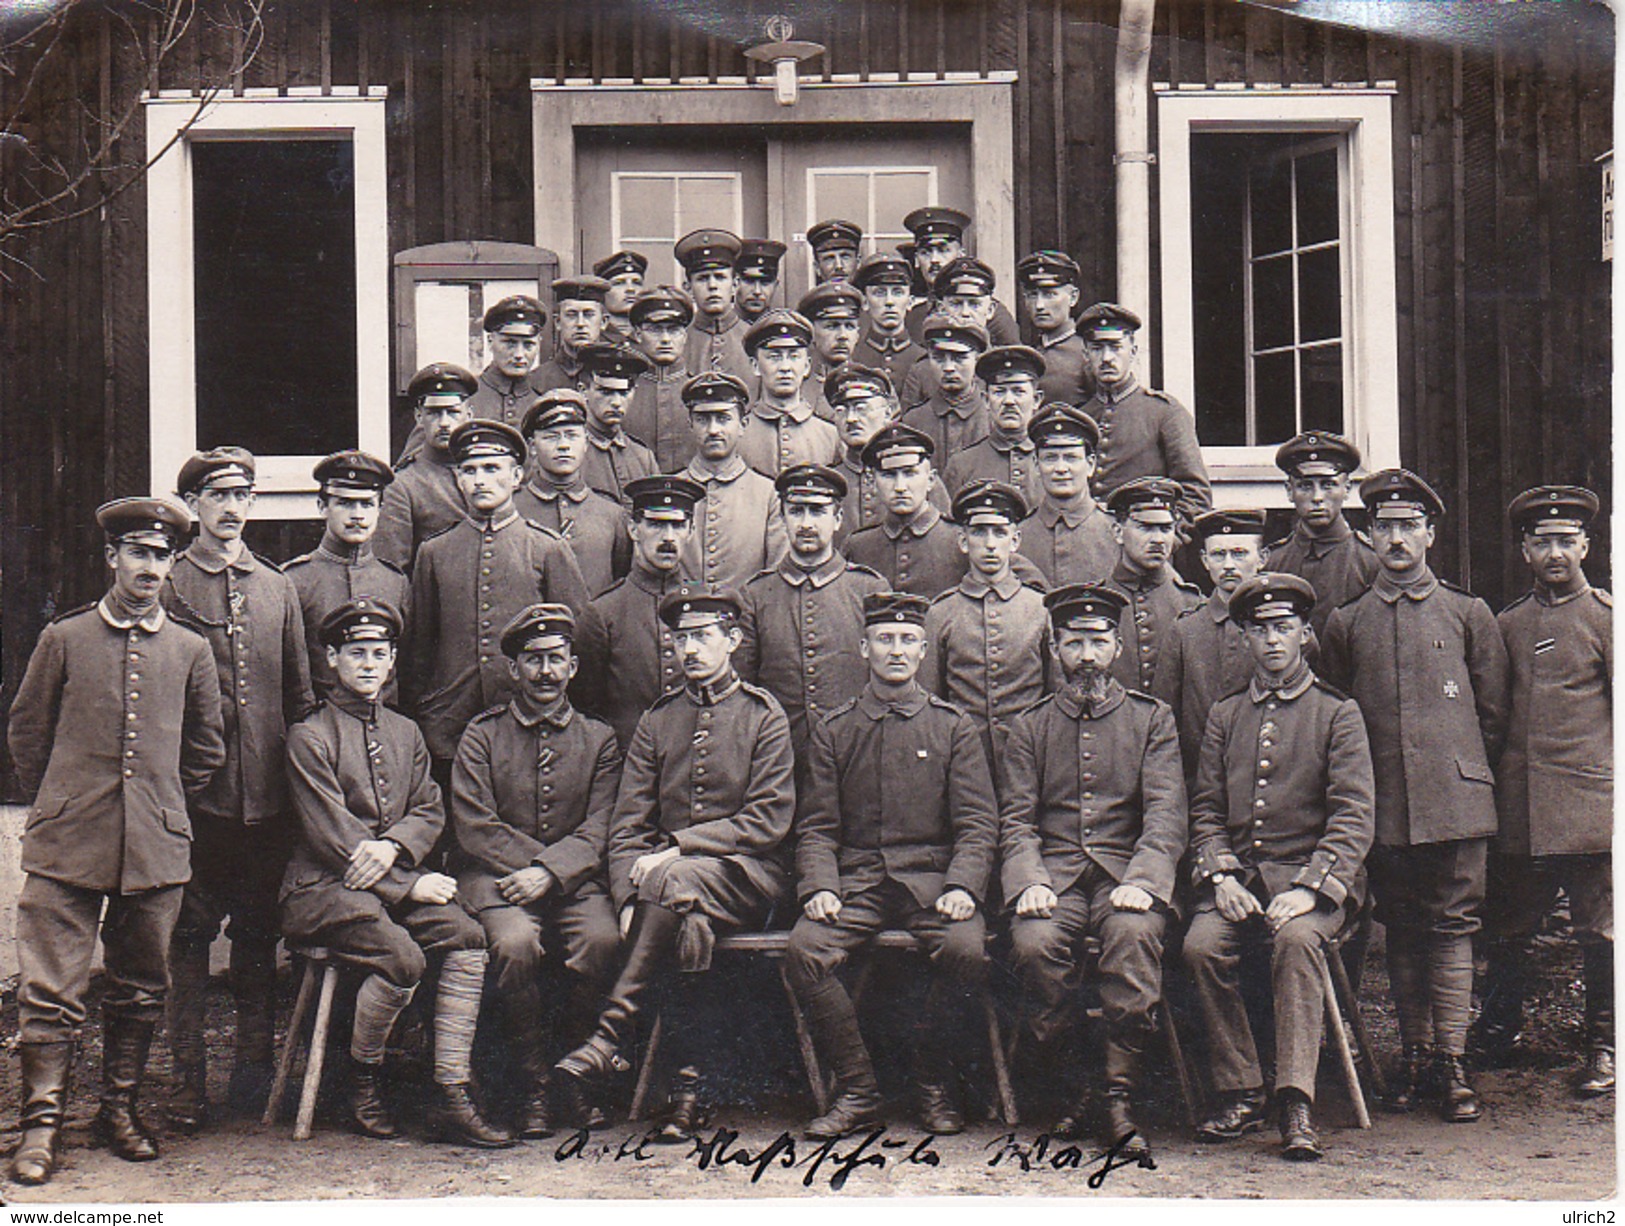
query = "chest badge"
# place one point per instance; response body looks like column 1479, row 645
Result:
column 922, row 754
column 1545, row 645
column 544, row 757
column 1451, row 689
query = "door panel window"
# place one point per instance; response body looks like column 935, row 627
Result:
column 651, row 210
column 875, row 197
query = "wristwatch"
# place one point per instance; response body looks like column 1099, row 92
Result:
column 1219, row 878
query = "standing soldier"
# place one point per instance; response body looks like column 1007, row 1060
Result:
column 896, row 827
column 1142, row 433
column 423, row 500
column 1205, row 656
column 955, row 415
column 738, row 529
column 1051, row 284
column 624, row 271
column 782, row 430
column 116, row 725
column 1011, row 374
column 884, row 280
column 369, row 814
column 1282, row 864
column 1556, row 788
column 835, row 311
column 864, row 401
column 801, row 621
column 1070, row 537
column 913, row 548
column 640, row 663
column 963, row 292
column 656, row 417
column 249, row 612
column 1428, row 667
column 1323, row 548
column 835, row 245
column 988, row 638
column 350, row 486
column 1092, row 825
column 756, row 277
column 939, row 240
column 578, row 317
column 716, row 339
column 531, row 794
column 471, row 580
column 556, row 494
column 707, row 798
column 1146, row 511
column 613, row 456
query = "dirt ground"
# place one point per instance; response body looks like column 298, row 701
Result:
column 1536, row 1141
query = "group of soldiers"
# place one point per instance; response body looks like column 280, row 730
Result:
column 856, row 617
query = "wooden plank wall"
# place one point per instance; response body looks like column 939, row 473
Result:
column 1505, row 349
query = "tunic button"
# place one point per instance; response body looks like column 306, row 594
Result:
column 129, row 715
column 129, row 736
column 1264, row 763
column 129, row 753
column 134, row 696
column 128, row 774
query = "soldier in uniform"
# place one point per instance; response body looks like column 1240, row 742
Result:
column 1051, row 285
column 423, row 499
column 578, row 317
column 1070, row 537
column 639, row 659
column 624, row 271
column 963, row 292
column 716, row 339
column 756, row 277
column 248, row 610
column 884, row 280
column 471, row 580
column 835, row 245
column 707, row 798
column 1282, row 865
column 531, row 794
column 116, row 724
column 801, row 621
column 1092, row 826
column 1012, row 375
column 1427, row 665
column 738, row 529
column 557, row 496
column 1322, row 548
column 1143, row 433
column 369, row 814
column 955, row 415
column 1205, row 656
column 939, row 240
column 864, row 401
column 1555, row 783
column 988, row 637
column 913, row 547
column 350, row 488
column 835, row 311
column 782, row 430
column 1147, row 512
column 613, row 457
column 656, row 416
column 896, row 828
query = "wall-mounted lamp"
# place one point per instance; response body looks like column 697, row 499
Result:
column 786, row 56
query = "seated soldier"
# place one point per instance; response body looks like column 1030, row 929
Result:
column 531, row 793
column 1281, row 822
column 368, row 812
column 896, row 829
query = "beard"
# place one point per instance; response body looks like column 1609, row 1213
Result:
column 1089, row 679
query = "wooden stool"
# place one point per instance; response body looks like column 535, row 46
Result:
column 315, row 959
column 1341, row 1004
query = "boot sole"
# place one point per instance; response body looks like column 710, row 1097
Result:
column 1217, row 1136
column 1302, row 1153
column 825, row 1134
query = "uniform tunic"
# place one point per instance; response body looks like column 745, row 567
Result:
column 594, row 525
column 421, row 502
column 778, row 438
column 1144, row 433
column 325, row 580
column 1066, row 375
column 1203, row 659
column 498, row 398
column 1155, row 602
column 563, row 369
column 1339, row 565
column 1070, row 544
column 863, row 507
column 639, row 663
column 613, row 460
column 920, row 555
column 802, row 631
column 469, row 582
column 953, row 423
column 717, row 343
column 896, row 355
column 738, row 529
column 997, row 458
column 657, row 417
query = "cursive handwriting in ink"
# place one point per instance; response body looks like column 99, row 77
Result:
column 717, row 1152
column 1040, row 1154
column 580, row 1146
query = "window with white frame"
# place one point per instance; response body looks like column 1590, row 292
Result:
column 650, row 210
column 267, row 285
column 1278, row 294
column 877, row 198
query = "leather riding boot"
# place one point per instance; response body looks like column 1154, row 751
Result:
column 933, row 1066
column 535, row 1116
column 834, row 1023
column 1298, row 1140
column 1412, row 1082
column 253, row 989
column 603, row 1055
column 1118, row 1131
column 454, row 1119
column 1494, row 1035
column 47, row 1070
column 188, row 1107
column 1597, row 1076
column 369, row 1109
column 125, row 1044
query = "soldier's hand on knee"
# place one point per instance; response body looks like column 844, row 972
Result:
column 1288, row 905
column 956, row 905
column 1235, row 901
column 525, row 886
column 1036, row 900
column 1130, row 898
column 370, row 860
column 644, row 865
column 823, row 906
column 433, row 888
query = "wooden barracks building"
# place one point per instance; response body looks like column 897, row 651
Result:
column 1380, row 217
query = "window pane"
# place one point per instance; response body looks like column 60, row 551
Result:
column 1317, row 198
column 274, row 281
column 646, row 207
column 1320, row 295
column 1323, row 388
column 662, row 268
column 1271, row 208
column 706, row 203
column 1272, row 303
column 897, row 194
column 841, row 195
column 1274, row 399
